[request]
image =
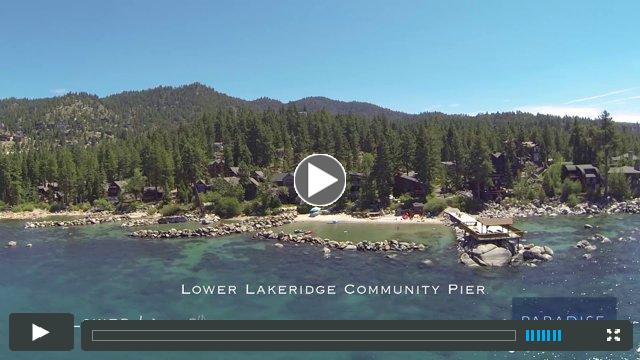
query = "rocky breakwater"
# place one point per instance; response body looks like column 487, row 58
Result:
column 225, row 229
column 328, row 244
column 206, row 220
column 475, row 254
column 76, row 222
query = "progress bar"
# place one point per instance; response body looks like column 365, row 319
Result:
column 356, row 335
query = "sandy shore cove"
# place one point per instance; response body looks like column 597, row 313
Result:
column 386, row 219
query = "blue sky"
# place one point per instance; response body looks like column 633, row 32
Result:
column 560, row 57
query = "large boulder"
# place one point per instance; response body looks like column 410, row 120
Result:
column 467, row 260
column 582, row 244
column 483, row 248
column 496, row 257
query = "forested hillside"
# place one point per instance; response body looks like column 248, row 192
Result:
column 166, row 137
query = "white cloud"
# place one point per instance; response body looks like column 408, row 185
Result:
column 615, row 92
column 634, row 118
column 59, row 92
column 587, row 112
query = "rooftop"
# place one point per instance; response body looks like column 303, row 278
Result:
column 627, row 170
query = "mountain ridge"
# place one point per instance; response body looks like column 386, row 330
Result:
column 207, row 98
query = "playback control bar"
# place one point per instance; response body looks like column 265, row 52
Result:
column 355, row 335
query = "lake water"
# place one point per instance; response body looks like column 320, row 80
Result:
column 99, row 272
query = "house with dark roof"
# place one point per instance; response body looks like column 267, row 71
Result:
column 355, row 180
column 408, row 183
column 631, row 174
column 250, row 188
column 218, row 168
column 587, row 174
column 531, row 152
column 628, row 159
column 115, row 188
column 201, row 186
column 285, row 183
column 152, row 194
column 283, row 179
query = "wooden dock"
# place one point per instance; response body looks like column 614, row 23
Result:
column 485, row 229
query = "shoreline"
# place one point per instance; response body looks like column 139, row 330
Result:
column 491, row 210
column 42, row 214
column 386, row 219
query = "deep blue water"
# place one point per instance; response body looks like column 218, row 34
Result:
column 98, row 272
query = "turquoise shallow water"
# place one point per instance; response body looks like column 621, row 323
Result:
column 98, row 272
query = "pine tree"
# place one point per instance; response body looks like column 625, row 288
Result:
column 607, row 144
column 382, row 173
column 136, row 183
column 479, row 166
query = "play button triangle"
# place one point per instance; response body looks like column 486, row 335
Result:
column 37, row 332
column 318, row 180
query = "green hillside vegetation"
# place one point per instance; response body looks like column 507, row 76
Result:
column 166, row 136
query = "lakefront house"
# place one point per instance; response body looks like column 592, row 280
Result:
column 50, row 191
column 152, row 194
column 587, row 174
column 114, row 189
column 626, row 159
column 631, row 174
column 218, row 168
column 355, row 183
column 407, row 183
column 285, row 182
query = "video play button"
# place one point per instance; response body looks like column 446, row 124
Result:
column 37, row 332
column 320, row 179
column 41, row 332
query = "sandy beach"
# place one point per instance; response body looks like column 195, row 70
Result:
column 386, row 219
